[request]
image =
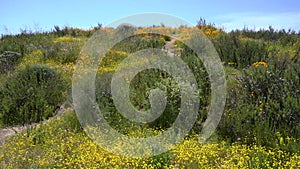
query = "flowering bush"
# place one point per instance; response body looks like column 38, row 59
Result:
column 262, row 101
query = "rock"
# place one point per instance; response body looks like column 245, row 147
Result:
column 8, row 60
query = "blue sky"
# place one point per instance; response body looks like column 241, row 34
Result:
column 37, row 15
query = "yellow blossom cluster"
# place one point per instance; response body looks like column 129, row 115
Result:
column 231, row 63
column 192, row 154
column 116, row 52
column 186, row 34
column 157, row 29
column 209, row 31
column 60, row 143
column 255, row 64
column 65, row 39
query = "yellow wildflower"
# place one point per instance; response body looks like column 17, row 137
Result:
column 215, row 32
column 255, row 64
column 208, row 32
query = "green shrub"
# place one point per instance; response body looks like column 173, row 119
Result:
column 31, row 95
column 64, row 49
column 264, row 101
column 242, row 52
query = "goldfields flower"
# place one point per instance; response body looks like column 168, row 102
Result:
column 255, row 64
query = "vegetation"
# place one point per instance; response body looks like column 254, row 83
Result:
column 31, row 95
column 260, row 126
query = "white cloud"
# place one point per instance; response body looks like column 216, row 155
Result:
column 259, row 20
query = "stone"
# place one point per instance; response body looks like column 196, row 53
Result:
column 8, row 60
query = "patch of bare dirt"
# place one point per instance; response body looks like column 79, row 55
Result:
column 11, row 131
column 170, row 47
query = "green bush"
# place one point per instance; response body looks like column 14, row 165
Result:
column 63, row 49
column 242, row 52
column 264, row 101
column 31, row 95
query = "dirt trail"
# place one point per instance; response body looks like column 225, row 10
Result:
column 169, row 47
column 11, row 131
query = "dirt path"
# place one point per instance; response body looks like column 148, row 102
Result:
column 11, row 131
column 169, row 47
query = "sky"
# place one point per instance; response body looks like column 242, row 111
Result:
column 41, row 15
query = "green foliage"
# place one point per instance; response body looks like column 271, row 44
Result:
column 239, row 51
column 64, row 49
column 74, row 32
column 54, row 46
column 147, row 80
column 260, row 123
column 270, row 34
column 139, row 86
column 55, row 144
column 262, row 102
column 31, row 95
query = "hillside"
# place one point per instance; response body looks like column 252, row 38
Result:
column 259, row 127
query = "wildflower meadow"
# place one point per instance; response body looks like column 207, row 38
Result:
column 259, row 127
